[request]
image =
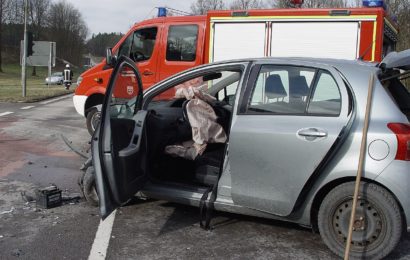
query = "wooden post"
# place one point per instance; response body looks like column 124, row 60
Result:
column 363, row 148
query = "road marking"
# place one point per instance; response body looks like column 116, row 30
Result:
column 102, row 238
column 54, row 99
column 6, row 113
column 27, row 107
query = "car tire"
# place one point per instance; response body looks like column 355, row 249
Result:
column 93, row 119
column 378, row 224
column 61, row 83
column 89, row 188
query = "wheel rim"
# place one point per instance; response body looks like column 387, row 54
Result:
column 369, row 229
column 95, row 120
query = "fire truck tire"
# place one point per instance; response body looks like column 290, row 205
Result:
column 89, row 189
column 93, row 119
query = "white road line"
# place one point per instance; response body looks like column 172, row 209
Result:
column 102, row 238
column 6, row 113
column 27, row 107
column 55, row 99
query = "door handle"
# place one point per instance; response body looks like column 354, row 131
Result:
column 147, row 73
column 312, row 132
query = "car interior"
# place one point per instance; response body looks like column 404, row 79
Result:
column 166, row 124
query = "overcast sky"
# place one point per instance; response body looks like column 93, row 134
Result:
column 120, row 15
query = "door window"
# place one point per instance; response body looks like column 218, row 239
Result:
column 143, row 44
column 182, row 42
column 326, row 99
column 124, row 95
column 281, row 90
column 139, row 45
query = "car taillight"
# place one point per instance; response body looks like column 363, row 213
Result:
column 402, row 132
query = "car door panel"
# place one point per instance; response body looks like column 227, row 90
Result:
column 119, row 144
column 273, row 156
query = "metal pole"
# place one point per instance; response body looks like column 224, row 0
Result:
column 363, row 149
column 24, row 58
column 49, row 63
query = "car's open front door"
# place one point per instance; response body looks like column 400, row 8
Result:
column 118, row 145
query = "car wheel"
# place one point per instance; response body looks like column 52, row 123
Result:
column 61, row 83
column 89, row 189
column 93, row 119
column 377, row 228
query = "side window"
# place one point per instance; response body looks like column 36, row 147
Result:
column 326, row 99
column 182, row 42
column 143, row 44
column 125, row 46
column 212, row 84
column 281, row 90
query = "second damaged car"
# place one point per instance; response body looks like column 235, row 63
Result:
column 274, row 138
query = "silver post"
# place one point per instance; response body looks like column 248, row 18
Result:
column 50, row 58
column 24, row 58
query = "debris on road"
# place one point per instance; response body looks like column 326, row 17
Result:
column 49, row 197
column 8, row 211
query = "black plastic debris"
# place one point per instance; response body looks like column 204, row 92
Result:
column 49, row 197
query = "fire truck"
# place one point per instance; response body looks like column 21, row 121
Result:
column 164, row 45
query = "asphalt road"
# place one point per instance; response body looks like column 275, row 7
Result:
column 34, row 155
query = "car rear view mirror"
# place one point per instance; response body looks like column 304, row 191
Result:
column 109, row 59
column 212, row 76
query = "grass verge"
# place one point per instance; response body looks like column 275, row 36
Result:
column 11, row 90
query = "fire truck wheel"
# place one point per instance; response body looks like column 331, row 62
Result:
column 377, row 227
column 93, row 119
column 89, row 189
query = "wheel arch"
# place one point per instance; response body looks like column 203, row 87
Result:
column 323, row 191
column 93, row 100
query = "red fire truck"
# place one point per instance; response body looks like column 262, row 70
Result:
column 164, row 46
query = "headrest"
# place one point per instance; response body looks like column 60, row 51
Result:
column 298, row 86
column 274, row 87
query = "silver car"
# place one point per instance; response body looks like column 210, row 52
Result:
column 293, row 131
column 57, row 78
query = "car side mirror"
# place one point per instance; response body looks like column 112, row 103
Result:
column 109, row 58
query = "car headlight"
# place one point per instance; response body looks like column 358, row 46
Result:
column 79, row 79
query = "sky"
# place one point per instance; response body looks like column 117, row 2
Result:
column 120, row 15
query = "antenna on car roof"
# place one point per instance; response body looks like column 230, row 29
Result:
column 366, row 51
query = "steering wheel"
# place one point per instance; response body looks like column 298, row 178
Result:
column 137, row 55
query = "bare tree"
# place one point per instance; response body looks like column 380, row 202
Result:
column 38, row 16
column 68, row 30
column 309, row 3
column 202, row 6
column 246, row 4
column 4, row 9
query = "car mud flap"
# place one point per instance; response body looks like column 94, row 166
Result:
column 206, row 208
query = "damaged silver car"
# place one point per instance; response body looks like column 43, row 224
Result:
column 274, row 138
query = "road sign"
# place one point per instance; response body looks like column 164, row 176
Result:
column 41, row 54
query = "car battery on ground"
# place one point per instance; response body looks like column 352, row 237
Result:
column 49, row 197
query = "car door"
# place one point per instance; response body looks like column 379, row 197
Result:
column 142, row 46
column 118, row 145
column 289, row 119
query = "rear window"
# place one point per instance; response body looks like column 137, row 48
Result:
column 400, row 94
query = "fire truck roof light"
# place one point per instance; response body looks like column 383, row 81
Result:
column 374, row 3
column 162, row 11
